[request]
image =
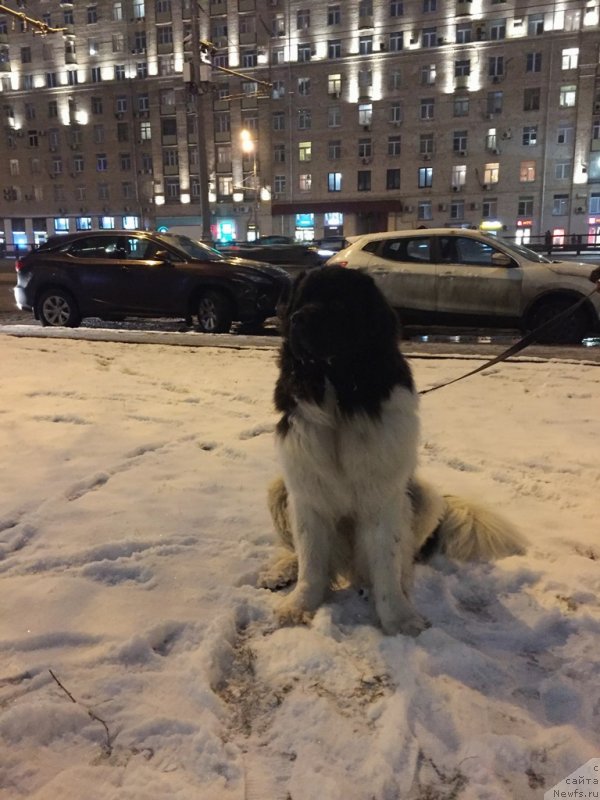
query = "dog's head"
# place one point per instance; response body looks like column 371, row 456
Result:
column 337, row 315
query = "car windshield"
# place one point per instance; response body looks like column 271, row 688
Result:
column 525, row 252
column 190, row 247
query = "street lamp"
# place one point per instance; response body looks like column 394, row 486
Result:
column 249, row 148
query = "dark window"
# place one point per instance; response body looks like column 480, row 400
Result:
column 417, row 249
column 392, row 180
column 363, row 183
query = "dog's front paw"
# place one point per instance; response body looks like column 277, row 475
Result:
column 292, row 614
column 281, row 572
column 299, row 605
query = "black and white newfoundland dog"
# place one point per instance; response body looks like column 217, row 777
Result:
column 350, row 508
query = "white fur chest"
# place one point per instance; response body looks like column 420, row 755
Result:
column 335, row 461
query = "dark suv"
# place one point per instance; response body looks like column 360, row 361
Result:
column 118, row 274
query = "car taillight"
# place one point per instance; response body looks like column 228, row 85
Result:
column 19, row 264
column 340, row 263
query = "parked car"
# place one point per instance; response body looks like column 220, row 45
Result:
column 284, row 255
column 458, row 277
column 118, row 274
column 274, row 238
column 330, row 244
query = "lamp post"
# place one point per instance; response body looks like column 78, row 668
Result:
column 249, row 148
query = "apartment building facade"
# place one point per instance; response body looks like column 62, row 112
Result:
column 302, row 118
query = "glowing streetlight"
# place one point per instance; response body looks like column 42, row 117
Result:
column 249, row 149
column 247, row 141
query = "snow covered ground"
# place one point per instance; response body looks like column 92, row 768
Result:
column 133, row 524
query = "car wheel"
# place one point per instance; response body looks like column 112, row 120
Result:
column 569, row 330
column 214, row 313
column 56, row 307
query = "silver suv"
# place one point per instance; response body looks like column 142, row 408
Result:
column 464, row 278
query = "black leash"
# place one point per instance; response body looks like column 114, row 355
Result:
column 518, row 346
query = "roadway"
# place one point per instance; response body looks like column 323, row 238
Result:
column 483, row 344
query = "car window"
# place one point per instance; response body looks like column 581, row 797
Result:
column 371, row 247
column 407, row 249
column 190, row 247
column 92, row 247
column 471, row 251
column 137, row 248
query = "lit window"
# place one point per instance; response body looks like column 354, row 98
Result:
column 365, row 113
column 305, row 151
column 425, row 177
column 527, row 171
column 568, row 96
column 459, row 175
column 334, row 182
column 334, row 85
column 570, row 58
column 224, row 185
column 491, row 173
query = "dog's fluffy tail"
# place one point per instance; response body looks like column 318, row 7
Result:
column 459, row 528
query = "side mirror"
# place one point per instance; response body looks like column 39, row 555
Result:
column 501, row 259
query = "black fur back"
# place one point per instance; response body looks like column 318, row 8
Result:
column 338, row 327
